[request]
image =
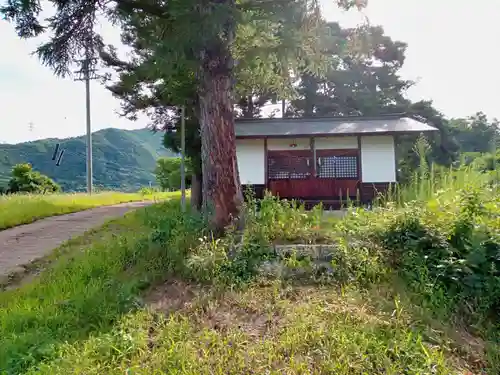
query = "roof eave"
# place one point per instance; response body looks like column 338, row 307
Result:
column 317, row 135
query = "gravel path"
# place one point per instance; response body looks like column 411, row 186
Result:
column 26, row 243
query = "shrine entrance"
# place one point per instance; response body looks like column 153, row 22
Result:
column 309, row 174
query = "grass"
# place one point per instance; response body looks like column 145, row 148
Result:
column 84, row 291
column 411, row 288
column 26, row 208
column 273, row 329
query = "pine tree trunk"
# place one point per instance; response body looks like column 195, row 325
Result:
column 196, row 197
column 222, row 194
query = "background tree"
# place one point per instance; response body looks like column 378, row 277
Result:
column 25, row 180
column 483, row 161
column 172, row 141
column 168, row 173
column 443, row 147
column 476, row 133
column 365, row 81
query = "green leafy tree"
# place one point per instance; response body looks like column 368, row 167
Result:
column 443, row 146
column 25, row 180
column 482, row 161
column 476, row 133
column 364, row 81
column 168, row 173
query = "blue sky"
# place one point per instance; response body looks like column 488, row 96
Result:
column 452, row 54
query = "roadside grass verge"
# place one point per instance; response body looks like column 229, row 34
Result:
column 20, row 209
column 88, row 287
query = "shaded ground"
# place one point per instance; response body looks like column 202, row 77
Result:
column 24, row 244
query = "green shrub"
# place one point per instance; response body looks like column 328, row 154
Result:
column 282, row 220
column 148, row 190
column 459, row 255
column 25, row 180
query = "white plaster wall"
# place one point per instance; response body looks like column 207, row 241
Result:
column 250, row 155
column 336, row 143
column 378, row 159
column 280, row 144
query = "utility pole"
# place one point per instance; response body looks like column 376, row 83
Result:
column 86, row 74
column 183, row 153
column 494, row 152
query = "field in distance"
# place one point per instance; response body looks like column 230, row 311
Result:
column 25, row 208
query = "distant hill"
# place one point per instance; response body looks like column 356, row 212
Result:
column 123, row 159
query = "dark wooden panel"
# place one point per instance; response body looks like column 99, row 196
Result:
column 266, row 164
column 370, row 190
column 335, row 189
column 292, row 188
column 315, row 188
column 289, row 153
column 296, row 180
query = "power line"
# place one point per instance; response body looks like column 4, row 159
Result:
column 108, row 165
column 111, row 164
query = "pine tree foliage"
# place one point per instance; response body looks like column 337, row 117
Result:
column 364, row 81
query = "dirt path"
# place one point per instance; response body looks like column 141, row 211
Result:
column 25, row 243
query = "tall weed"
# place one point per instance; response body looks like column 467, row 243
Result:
column 452, row 247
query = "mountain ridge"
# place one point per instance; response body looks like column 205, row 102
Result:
column 122, row 159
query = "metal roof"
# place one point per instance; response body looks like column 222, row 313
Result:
column 275, row 127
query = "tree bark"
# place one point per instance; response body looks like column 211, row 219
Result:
column 196, row 196
column 222, row 194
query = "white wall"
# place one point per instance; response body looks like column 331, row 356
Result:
column 336, row 143
column 280, row 144
column 251, row 165
column 378, row 159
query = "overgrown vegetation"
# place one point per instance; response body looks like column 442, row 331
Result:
column 405, row 288
column 17, row 209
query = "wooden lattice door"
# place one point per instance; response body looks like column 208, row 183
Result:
column 337, row 174
column 290, row 173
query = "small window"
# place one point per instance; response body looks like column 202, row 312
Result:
column 284, row 168
column 338, row 167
